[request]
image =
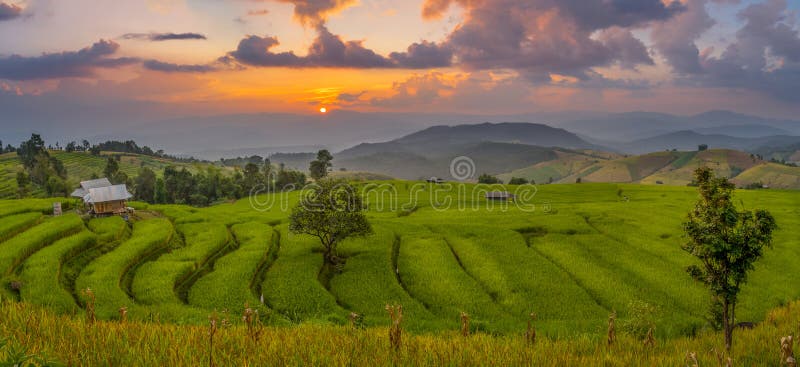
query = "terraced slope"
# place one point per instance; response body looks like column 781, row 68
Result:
column 593, row 247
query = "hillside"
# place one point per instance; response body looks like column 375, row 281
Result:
column 582, row 245
column 81, row 166
column 668, row 168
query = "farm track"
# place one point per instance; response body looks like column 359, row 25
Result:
column 396, row 271
column 256, row 284
column 594, row 297
column 185, row 284
column 126, row 279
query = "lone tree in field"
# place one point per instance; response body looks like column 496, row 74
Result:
column 332, row 211
column 727, row 243
column 319, row 167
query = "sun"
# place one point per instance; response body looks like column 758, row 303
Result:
column 323, row 110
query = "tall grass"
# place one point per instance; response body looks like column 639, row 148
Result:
column 71, row 341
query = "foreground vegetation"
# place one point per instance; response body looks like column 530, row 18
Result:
column 35, row 333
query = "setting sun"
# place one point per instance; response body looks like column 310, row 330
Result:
column 323, row 110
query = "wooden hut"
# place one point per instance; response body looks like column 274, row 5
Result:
column 103, row 198
column 500, row 196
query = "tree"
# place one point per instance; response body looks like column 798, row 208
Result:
column 112, row 167
column 86, row 145
column 488, row 179
column 71, row 147
column 518, row 181
column 95, row 150
column 702, row 147
column 30, row 149
column 23, row 184
column 332, row 212
column 726, row 242
column 319, row 167
column 160, row 196
column 145, row 185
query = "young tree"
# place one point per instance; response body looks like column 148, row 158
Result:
column 319, row 167
column 145, row 185
column 726, row 242
column 112, row 167
column 332, row 212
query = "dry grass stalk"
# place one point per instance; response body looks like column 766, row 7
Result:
column 252, row 322
column 464, row 324
column 354, row 317
column 787, row 351
column 612, row 328
column 721, row 360
column 91, row 317
column 123, row 314
column 395, row 330
column 530, row 333
column 692, row 358
column 213, row 321
column 650, row 340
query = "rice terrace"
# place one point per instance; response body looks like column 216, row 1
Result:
column 399, row 183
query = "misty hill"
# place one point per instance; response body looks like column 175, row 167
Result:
column 689, row 140
column 629, row 126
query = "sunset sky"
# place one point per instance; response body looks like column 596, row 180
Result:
column 205, row 57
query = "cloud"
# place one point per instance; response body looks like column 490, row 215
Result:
column 166, row 67
column 765, row 55
column 82, row 63
column 9, row 11
column 424, row 55
column 316, row 12
column 675, row 39
column 539, row 37
column 158, row 37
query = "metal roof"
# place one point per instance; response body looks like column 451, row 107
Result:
column 106, row 194
column 92, row 184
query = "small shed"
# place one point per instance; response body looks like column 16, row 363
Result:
column 108, row 200
column 435, row 180
column 500, row 196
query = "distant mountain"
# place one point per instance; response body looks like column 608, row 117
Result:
column 622, row 127
column 690, row 140
column 494, row 148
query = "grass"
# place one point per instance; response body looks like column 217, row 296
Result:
column 104, row 274
column 72, row 341
column 14, row 224
column 40, row 274
column 231, row 284
column 18, row 248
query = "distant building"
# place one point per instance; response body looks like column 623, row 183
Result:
column 102, row 197
column 500, row 196
column 435, row 180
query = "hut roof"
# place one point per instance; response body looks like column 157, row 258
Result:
column 90, row 184
column 106, row 194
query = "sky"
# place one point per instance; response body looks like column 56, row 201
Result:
column 156, row 59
